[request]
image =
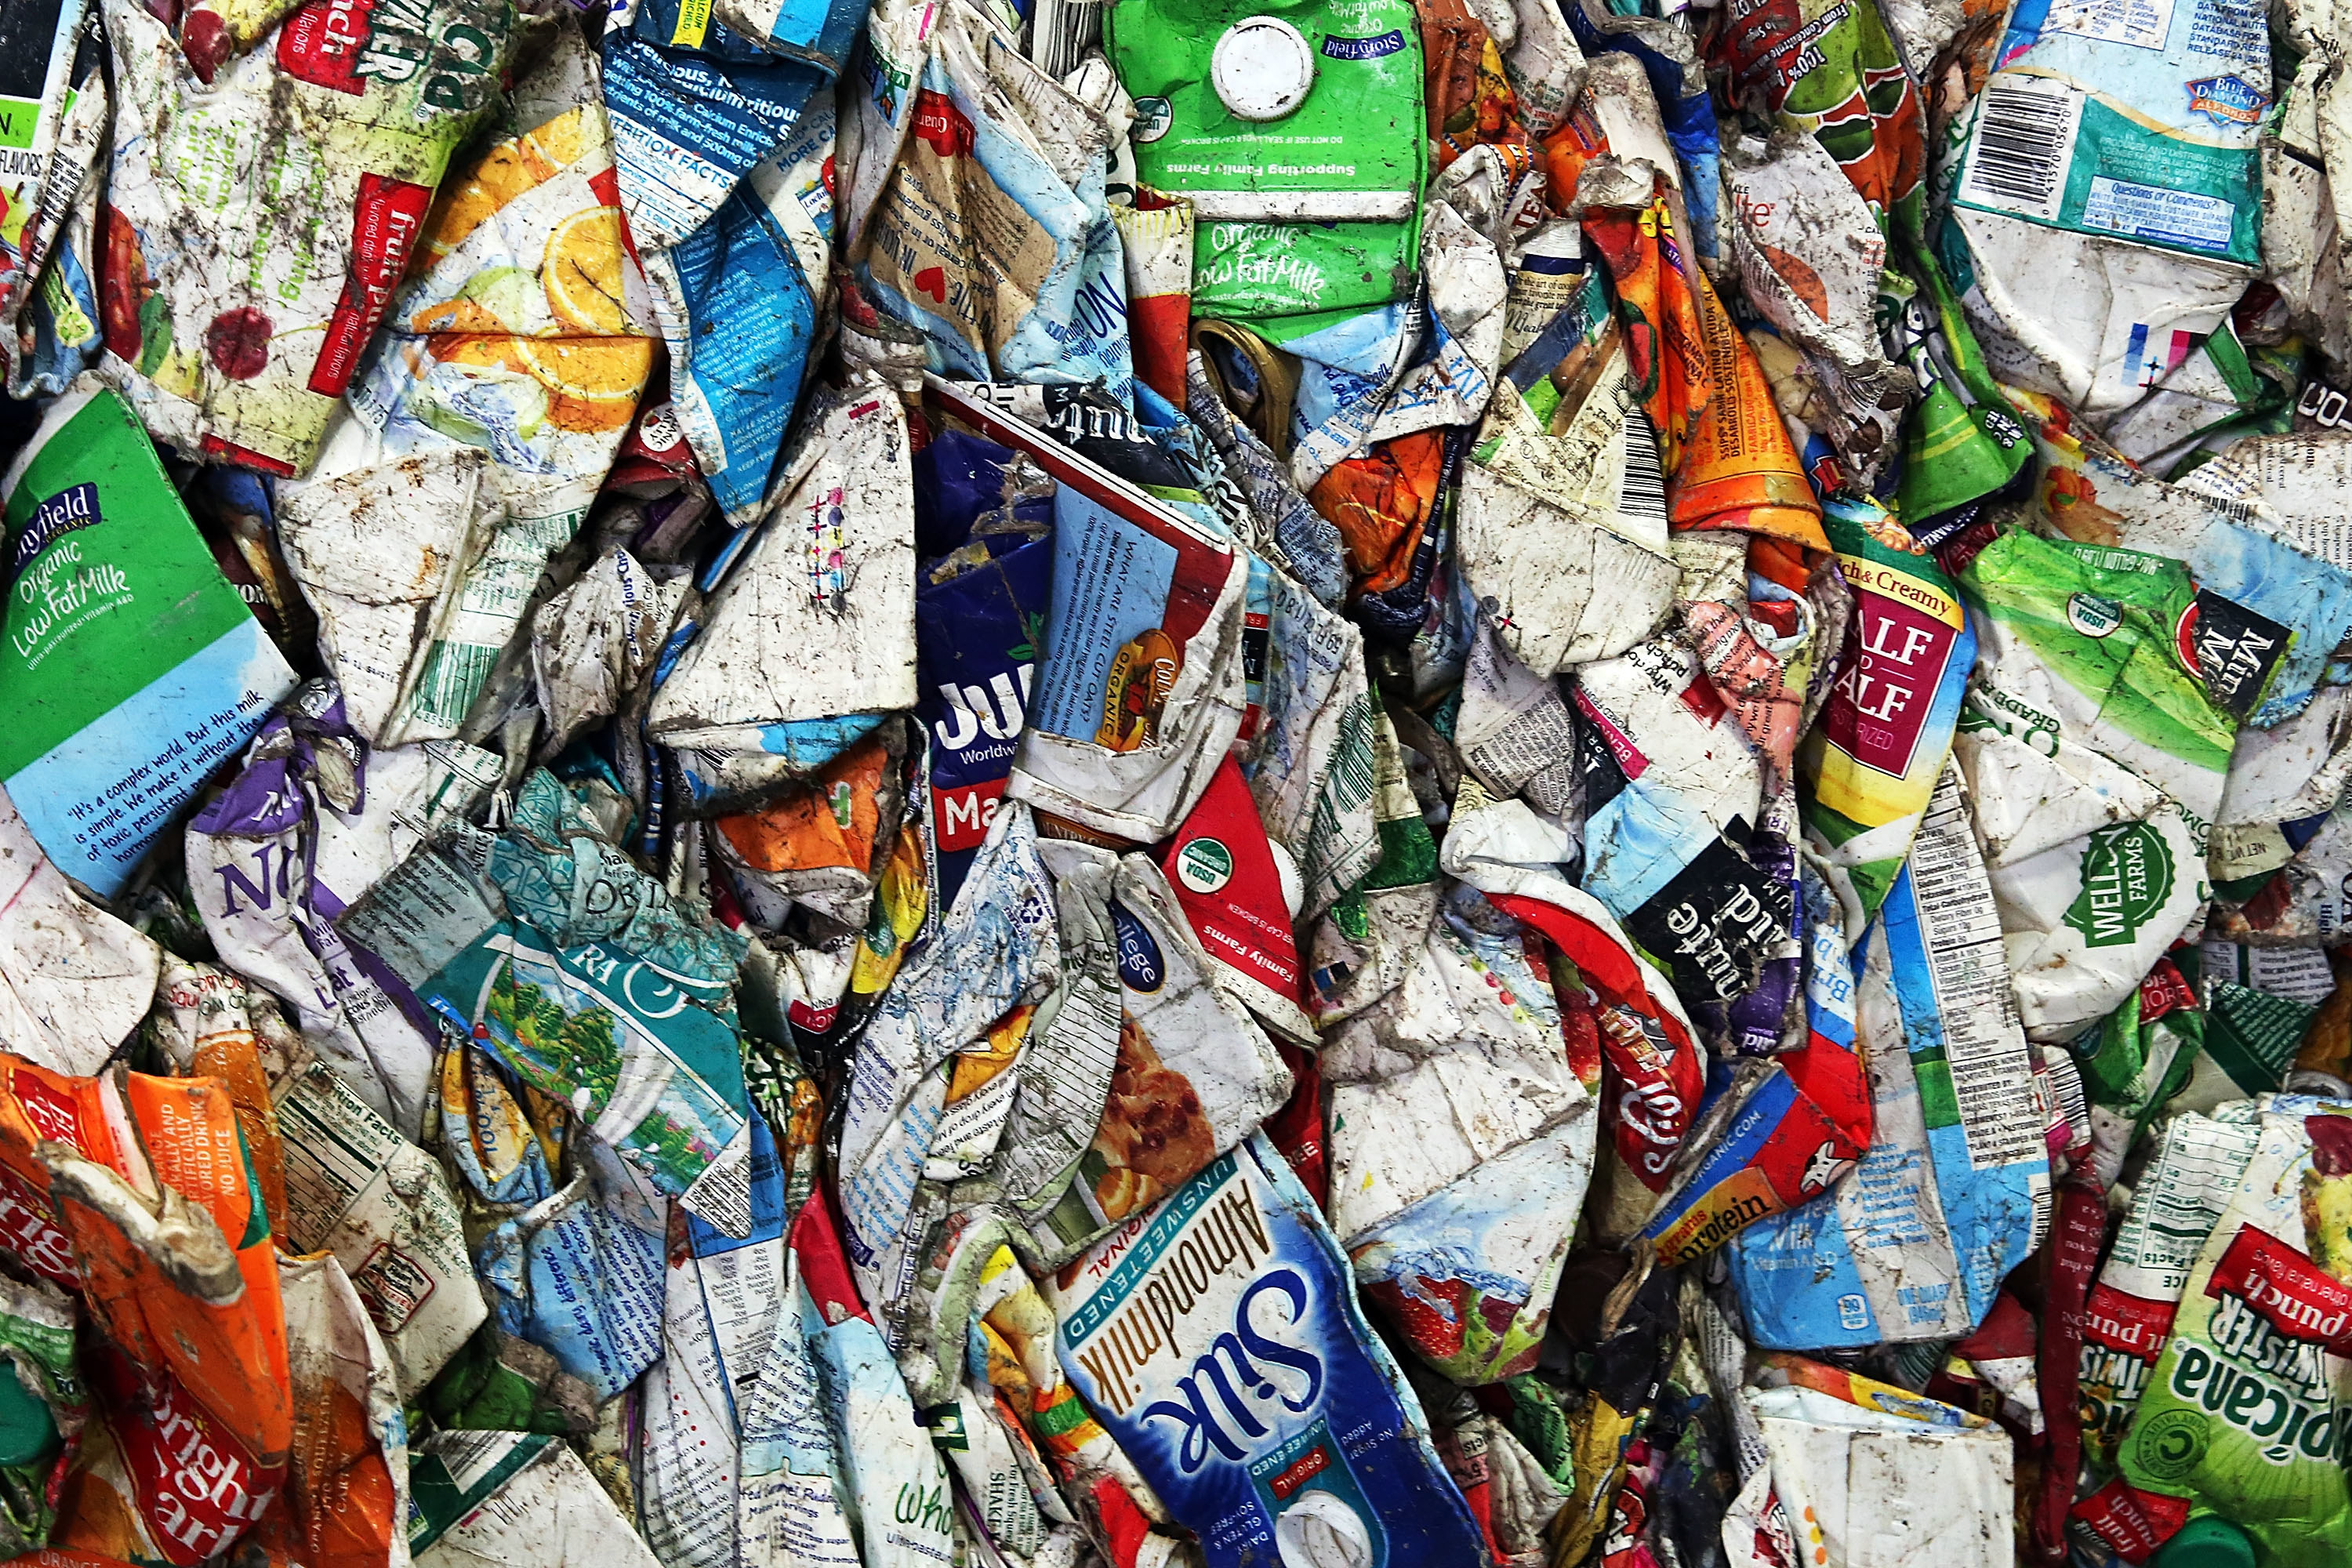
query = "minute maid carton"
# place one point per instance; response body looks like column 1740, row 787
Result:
column 133, row 669
column 1219, row 1340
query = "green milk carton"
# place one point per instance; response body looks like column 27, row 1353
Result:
column 1296, row 128
column 133, row 670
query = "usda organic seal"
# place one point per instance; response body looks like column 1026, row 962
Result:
column 1204, row 865
column 1153, row 116
column 2092, row 615
column 1262, row 69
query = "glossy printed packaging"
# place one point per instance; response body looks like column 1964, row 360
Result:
column 1218, row 1339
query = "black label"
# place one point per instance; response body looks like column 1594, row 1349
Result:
column 1717, row 922
column 2237, row 650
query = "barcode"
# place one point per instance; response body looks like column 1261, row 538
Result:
column 2024, row 141
column 2069, row 1109
column 1643, row 493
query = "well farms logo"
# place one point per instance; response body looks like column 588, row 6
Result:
column 2126, row 878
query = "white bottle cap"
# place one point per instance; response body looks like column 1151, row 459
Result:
column 1262, row 69
column 1320, row 1531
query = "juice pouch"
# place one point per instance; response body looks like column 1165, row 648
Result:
column 2249, row 1413
column 1296, row 131
column 236, row 321
column 1264, row 1411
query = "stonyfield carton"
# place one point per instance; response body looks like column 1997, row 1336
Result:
column 1218, row 1339
column 133, row 669
column 1295, row 130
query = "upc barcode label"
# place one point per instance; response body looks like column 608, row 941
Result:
column 2023, row 145
column 1643, row 492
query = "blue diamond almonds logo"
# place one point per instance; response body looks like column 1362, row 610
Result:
column 2227, row 100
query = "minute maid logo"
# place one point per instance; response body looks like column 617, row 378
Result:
column 2126, row 879
column 2227, row 100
